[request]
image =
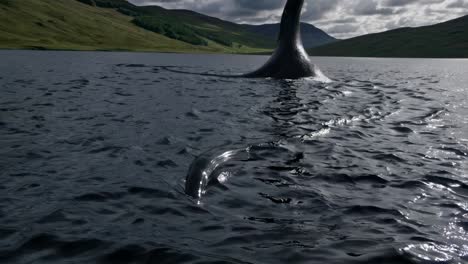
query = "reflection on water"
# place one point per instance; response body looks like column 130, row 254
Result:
column 95, row 148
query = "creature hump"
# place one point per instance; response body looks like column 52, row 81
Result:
column 289, row 60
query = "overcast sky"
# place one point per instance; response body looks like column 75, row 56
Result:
column 339, row 18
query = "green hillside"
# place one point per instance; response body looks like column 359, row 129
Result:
column 72, row 25
column 444, row 40
column 189, row 26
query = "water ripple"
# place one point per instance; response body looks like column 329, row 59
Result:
column 370, row 167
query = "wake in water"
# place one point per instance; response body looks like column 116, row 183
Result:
column 318, row 77
column 205, row 169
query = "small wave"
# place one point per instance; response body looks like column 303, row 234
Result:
column 144, row 192
column 403, row 129
column 167, row 164
column 112, row 150
column 131, row 65
column 277, row 200
column 342, row 121
column 435, row 113
column 436, row 253
column 319, row 77
column 98, row 197
column 48, row 246
column 373, row 210
column 317, row 134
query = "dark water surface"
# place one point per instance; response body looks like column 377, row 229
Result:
column 94, row 149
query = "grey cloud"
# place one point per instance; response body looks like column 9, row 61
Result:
column 319, row 8
column 458, row 4
column 348, row 20
column 399, row 2
column 342, row 28
column 371, row 7
column 341, row 18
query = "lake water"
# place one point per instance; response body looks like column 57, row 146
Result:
column 371, row 167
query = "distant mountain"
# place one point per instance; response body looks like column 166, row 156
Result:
column 311, row 35
column 444, row 40
column 223, row 32
column 120, row 25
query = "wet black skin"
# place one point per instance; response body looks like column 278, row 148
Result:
column 202, row 171
column 196, row 180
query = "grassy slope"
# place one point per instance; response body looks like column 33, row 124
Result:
column 444, row 40
column 220, row 29
column 70, row 25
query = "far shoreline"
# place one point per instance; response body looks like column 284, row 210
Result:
column 194, row 52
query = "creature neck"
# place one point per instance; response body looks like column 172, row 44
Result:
column 290, row 34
